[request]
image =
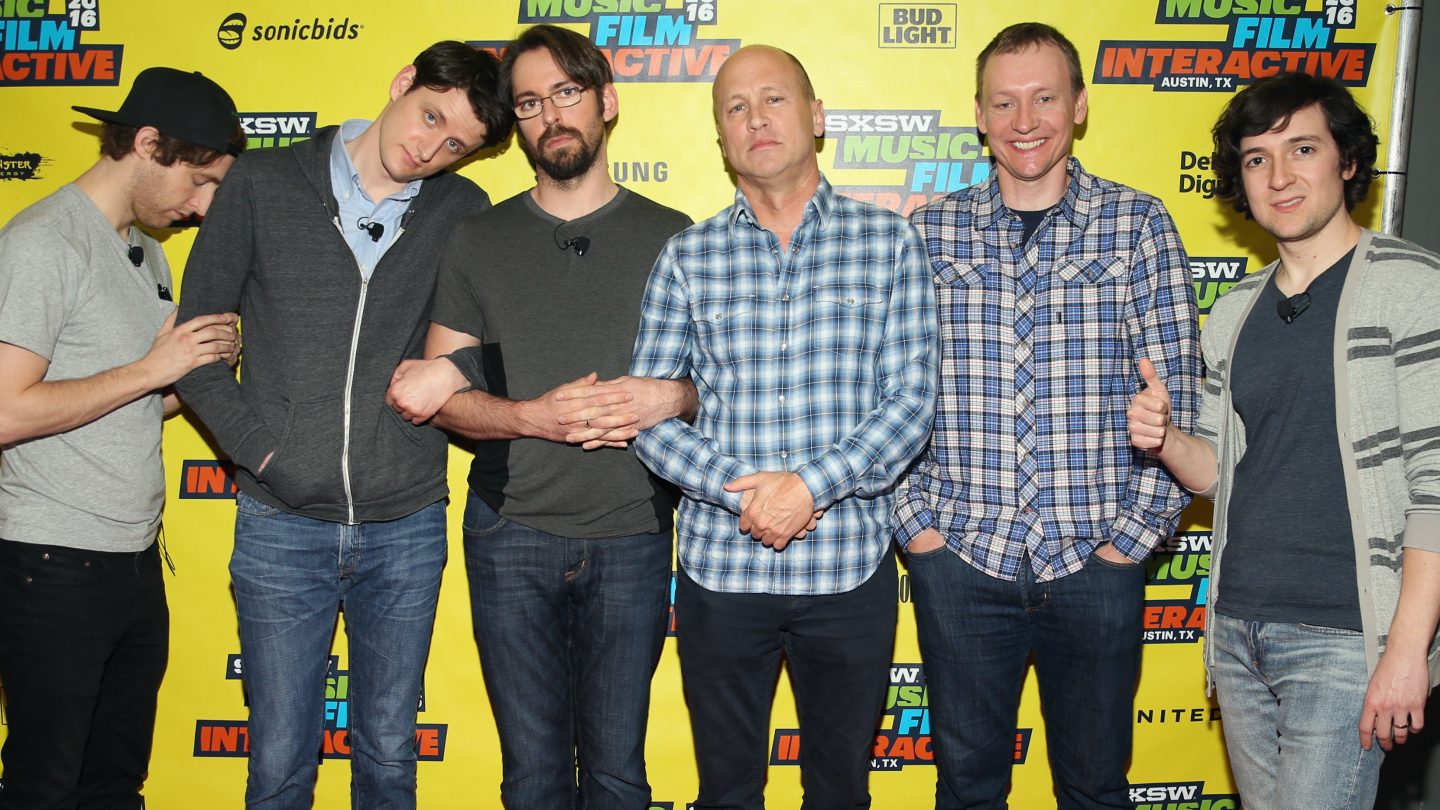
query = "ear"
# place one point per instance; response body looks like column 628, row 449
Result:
column 980, row 118
column 1348, row 173
column 146, row 141
column 609, row 102
column 817, row 111
column 402, row 82
column 1082, row 105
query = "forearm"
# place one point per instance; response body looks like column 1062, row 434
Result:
column 172, row 403
column 1191, row 460
column 1153, row 503
column 482, row 415
column 49, row 407
column 680, row 454
column 684, row 401
column 1418, row 611
column 213, row 394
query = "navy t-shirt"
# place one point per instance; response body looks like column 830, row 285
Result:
column 1290, row 552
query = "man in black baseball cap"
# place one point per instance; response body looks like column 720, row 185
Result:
column 185, row 106
column 88, row 349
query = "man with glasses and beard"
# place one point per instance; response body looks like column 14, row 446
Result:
column 567, row 537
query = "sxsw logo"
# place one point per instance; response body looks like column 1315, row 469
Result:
column 231, row 738
column 922, row 25
column 1213, row 276
column 265, row 129
column 1177, row 589
column 903, row 733
column 1180, row 796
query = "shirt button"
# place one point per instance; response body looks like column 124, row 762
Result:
column 784, row 454
column 785, row 298
column 849, row 300
column 29, row 580
column 782, row 397
column 45, row 556
column 784, row 346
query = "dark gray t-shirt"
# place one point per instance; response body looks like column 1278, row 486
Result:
column 69, row 293
column 1290, row 556
column 547, row 315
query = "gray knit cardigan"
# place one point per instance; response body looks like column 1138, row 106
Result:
column 1387, row 415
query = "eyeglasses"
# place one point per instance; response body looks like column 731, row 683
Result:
column 564, row 97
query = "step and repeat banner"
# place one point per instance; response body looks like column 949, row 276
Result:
column 897, row 80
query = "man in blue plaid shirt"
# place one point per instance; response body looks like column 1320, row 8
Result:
column 807, row 321
column 1027, row 521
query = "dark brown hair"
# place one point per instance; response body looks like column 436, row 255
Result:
column 116, row 141
column 1268, row 104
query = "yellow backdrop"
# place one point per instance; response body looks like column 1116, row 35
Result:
column 897, row 81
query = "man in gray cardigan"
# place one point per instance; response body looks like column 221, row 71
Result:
column 1317, row 441
column 329, row 250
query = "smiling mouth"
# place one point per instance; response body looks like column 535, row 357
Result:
column 1289, row 204
column 1026, row 146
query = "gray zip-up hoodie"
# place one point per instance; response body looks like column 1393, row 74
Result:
column 320, row 342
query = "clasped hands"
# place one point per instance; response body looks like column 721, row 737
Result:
column 775, row 507
column 588, row 411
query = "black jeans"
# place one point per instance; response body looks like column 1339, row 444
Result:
column 839, row 649
column 83, row 642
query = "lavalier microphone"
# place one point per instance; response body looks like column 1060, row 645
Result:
column 375, row 229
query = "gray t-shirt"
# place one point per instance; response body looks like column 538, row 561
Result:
column 547, row 315
column 69, row 293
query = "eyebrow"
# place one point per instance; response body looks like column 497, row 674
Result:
column 1291, row 141
column 765, row 90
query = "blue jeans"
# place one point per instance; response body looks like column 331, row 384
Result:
column 1290, row 696
column 291, row 574
column 570, row 631
column 976, row 633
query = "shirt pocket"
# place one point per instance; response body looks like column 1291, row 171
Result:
column 952, row 274
column 847, row 319
column 1100, row 270
column 725, row 328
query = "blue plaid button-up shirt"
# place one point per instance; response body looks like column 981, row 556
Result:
column 1039, row 345
column 819, row 360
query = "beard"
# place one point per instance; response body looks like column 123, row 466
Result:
column 567, row 164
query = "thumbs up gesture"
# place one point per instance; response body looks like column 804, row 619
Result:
column 1149, row 412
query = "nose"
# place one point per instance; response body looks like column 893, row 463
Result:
column 549, row 110
column 199, row 204
column 1280, row 174
column 428, row 147
column 1024, row 118
column 755, row 117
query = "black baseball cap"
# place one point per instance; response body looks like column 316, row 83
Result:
column 183, row 105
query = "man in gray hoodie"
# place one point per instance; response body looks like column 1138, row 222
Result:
column 329, row 250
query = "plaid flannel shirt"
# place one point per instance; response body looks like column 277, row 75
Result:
column 819, row 360
column 1039, row 349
